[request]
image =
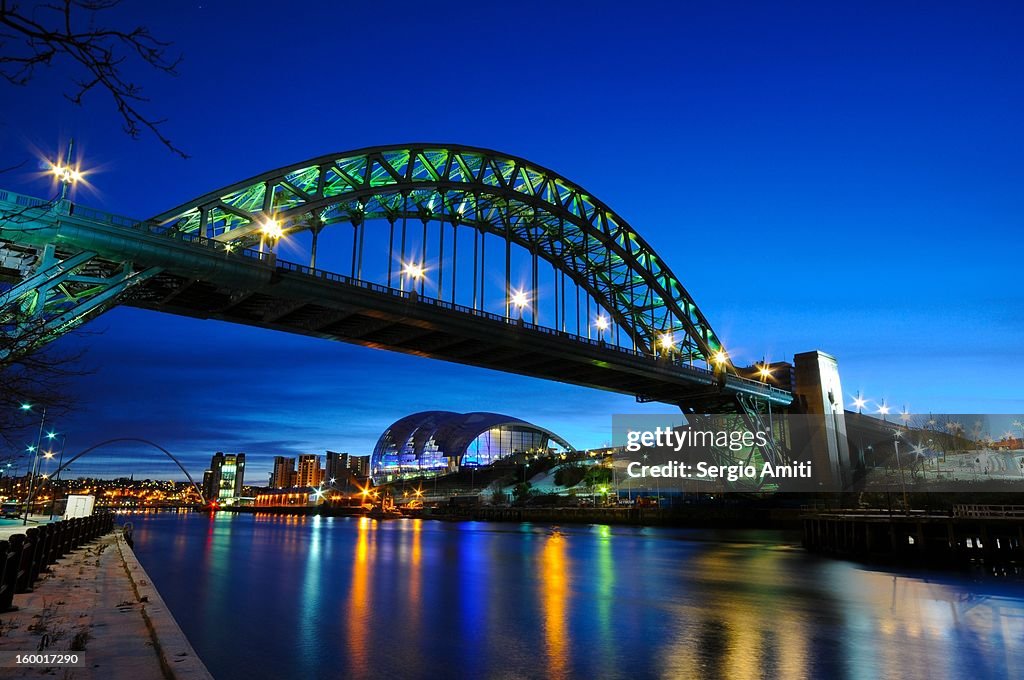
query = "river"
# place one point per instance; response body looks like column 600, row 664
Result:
column 294, row 597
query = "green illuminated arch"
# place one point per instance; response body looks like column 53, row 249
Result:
column 532, row 206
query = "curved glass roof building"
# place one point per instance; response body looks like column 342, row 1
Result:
column 433, row 442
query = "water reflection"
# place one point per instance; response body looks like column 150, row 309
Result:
column 358, row 611
column 554, row 587
column 410, row 598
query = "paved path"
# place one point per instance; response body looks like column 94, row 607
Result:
column 99, row 596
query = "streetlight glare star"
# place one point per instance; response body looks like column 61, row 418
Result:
column 519, row 298
column 414, row 270
column 883, row 409
column 667, row 340
column 602, row 322
column 272, row 228
column 859, row 402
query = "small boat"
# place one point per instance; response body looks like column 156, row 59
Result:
column 382, row 513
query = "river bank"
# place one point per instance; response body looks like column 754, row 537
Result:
column 99, row 603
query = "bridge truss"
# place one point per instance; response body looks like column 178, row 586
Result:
column 604, row 299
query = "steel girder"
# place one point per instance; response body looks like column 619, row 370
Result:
column 496, row 193
column 59, row 290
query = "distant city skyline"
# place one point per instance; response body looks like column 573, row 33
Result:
column 844, row 180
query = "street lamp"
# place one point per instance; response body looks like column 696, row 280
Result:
column 65, row 174
column 764, row 371
column 903, row 481
column 667, row 342
column 520, row 299
column 414, row 271
column 883, row 409
column 34, row 450
column 271, row 229
column 602, row 323
column 60, row 463
column 859, row 402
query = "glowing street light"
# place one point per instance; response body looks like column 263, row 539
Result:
column 520, row 299
column 602, row 324
column 667, row 341
column 34, row 450
column 719, row 358
column 883, row 409
column 65, row 173
column 270, row 228
column 414, row 271
column 859, row 402
column 764, row 372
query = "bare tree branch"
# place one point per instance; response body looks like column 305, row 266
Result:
column 31, row 370
column 45, row 32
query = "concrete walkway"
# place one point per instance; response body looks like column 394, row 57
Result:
column 100, row 600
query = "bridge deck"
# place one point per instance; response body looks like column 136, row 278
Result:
column 198, row 277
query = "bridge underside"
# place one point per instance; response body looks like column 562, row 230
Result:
column 376, row 316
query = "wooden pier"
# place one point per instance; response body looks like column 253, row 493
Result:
column 992, row 534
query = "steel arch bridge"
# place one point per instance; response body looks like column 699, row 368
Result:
column 217, row 257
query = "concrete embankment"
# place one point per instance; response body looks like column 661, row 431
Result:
column 99, row 602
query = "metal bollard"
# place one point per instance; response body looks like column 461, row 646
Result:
column 34, row 545
column 38, row 546
column 76, row 532
column 53, row 546
column 23, row 547
column 8, row 574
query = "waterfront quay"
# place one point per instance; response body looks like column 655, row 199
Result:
column 73, row 588
column 993, row 534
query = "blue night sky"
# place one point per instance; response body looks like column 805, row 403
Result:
column 844, row 177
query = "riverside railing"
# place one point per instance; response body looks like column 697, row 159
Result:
column 23, row 557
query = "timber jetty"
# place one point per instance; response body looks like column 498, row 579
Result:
column 968, row 534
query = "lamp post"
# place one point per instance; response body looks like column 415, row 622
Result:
column 667, row 342
column 60, row 462
column 859, row 402
column 269, row 229
column 520, row 299
column 65, row 174
column 415, row 272
column 35, row 460
column 602, row 325
column 899, row 464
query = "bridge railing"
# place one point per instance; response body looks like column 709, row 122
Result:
column 22, row 200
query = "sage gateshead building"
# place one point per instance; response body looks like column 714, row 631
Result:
column 436, row 442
